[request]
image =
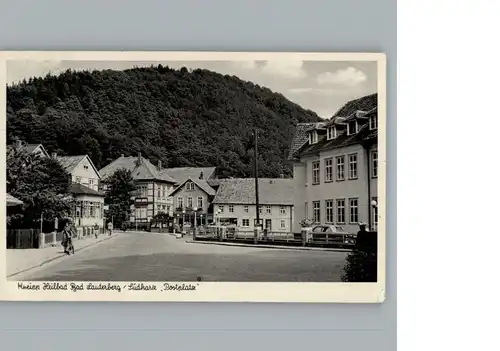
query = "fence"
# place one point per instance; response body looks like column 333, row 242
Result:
column 235, row 234
column 23, row 238
column 31, row 238
column 222, row 233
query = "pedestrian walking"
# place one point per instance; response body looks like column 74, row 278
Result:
column 67, row 238
column 96, row 230
column 110, row 228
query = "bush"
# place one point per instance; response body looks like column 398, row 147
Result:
column 361, row 263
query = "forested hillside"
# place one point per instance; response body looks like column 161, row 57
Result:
column 198, row 118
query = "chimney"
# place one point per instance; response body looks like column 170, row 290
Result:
column 159, row 165
column 54, row 155
column 139, row 158
column 201, row 175
column 122, row 156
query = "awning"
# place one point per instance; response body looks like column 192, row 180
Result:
column 12, row 201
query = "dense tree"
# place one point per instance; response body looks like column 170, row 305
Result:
column 120, row 188
column 41, row 183
column 198, row 118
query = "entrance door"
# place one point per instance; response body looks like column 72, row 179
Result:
column 268, row 224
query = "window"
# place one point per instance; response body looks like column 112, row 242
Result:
column 268, row 209
column 313, row 137
column 373, row 122
column 353, row 211
column 159, row 191
column 78, row 180
column 189, row 202
column 245, row 208
column 85, row 167
column 163, row 207
column 231, row 208
column 245, row 222
column 199, row 202
column 163, row 191
column 328, row 169
column 180, row 202
column 315, row 174
column 190, row 186
column 283, row 224
column 282, row 210
column 374, row 213
column 329, row 211
column 260, row 209
column 142, row 191
column 331, row 133
column 221, row 209
column 353, row 166
column 91, row 181
column 306, row 210
column 374, row 164
column 91, row 210
column 352, row 127
column 316, row 212
column 340, row 211
column 86, row 208
column 340, row 168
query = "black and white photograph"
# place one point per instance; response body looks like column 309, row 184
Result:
column 194, row 176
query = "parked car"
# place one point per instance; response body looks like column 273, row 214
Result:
column 331, row 234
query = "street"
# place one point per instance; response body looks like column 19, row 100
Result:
column 159, row 257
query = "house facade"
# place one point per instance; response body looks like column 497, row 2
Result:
column 88, row 208
column 152, row 194
column 192, row 201
column 335, row 167
column 235, row 203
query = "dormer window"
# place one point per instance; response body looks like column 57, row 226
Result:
column 352, row 127
column 313, row 137
column 373, row 122
column 331, row 133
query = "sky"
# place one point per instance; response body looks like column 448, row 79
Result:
column 321, row 86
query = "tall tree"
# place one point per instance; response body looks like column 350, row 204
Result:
column 185, row 119
column 120, row 188
column 41, row 183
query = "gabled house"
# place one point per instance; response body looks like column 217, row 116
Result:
column 37, row 149
column 193, row 195
column 88, row 209
column 82, row 170
column 335, row 167
column 235, row 203
column 152, row 195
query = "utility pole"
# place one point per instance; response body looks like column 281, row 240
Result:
column 256, row 175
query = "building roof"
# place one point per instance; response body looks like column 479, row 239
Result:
column 201, row 183
column 71, row 162
column 272, row 191
column 364, row 135
column 79, row 189
column 364, row 103
column 12, row 201
column 300, row 137
column 144, row 170
column 32, row 147
column 180, row 174
column 358, row 109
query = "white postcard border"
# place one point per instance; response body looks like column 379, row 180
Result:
column 206, row 291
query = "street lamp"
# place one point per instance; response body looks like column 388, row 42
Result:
column 374, row 213
column 183, row 219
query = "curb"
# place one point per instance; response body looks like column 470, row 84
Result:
column 296, row 248
column 59, row 256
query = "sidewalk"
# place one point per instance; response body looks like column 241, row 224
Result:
column 264, row 246
column 22, row 260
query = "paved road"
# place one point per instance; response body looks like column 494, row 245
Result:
column 156, row 257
